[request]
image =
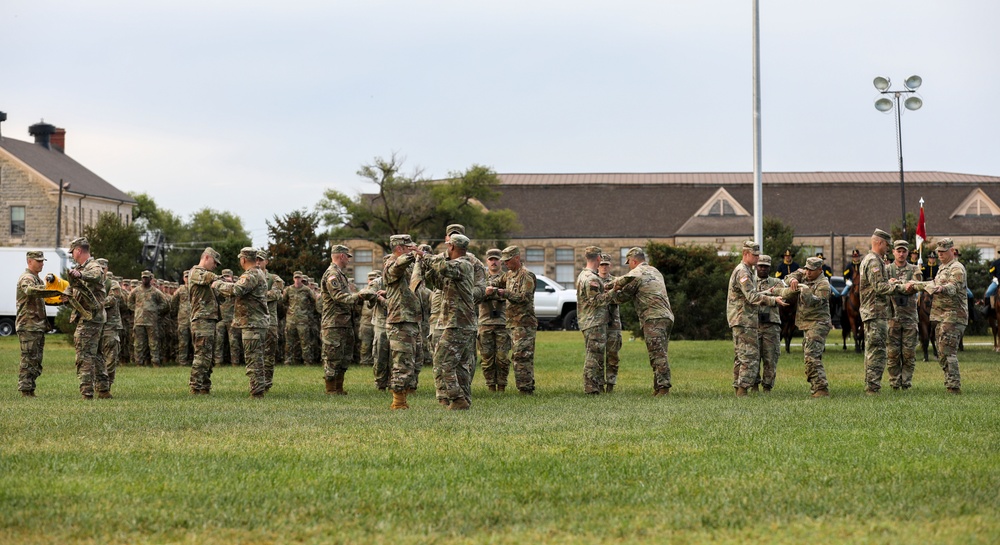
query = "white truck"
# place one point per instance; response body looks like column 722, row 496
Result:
column 555, row 306
column 12, row 265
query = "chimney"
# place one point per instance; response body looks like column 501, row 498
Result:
column 43, row 134
column 58, row 140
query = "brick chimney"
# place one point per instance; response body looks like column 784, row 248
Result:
column 58, row 140
column 43, row 134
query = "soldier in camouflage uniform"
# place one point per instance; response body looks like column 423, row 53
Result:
column 225, row 343
column 128, row 320
column 494, row 340
column 272, row 297
column 592, row 315
column 301, row 304
column 456, row 278
column 901, row 348
column 250, row 316
column 180, row 306
column 876, row 290
column 86, row 282
column 205, row 315
column 614, row 344
column 769, row 328
column 813, row 318
column 337, row 327
column 467, row 371
column 402, row 318
column 517, row 288
column 111, row 335
column 381, row 367
column 644, row 285
column 31, row 323
column 950, row 308
column 146, row 303
column 743, row 306
column 167, row 323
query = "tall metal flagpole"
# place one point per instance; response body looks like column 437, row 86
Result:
column 758, row 197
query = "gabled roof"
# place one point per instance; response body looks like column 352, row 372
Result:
column 55, row 165
column 730, row 178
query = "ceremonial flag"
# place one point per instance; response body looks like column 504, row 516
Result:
column 921, row 233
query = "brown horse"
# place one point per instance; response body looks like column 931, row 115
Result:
column 788, row 320
column 926, row 327
column 993, row 318
column 850, row 315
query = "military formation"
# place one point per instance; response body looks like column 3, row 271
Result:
column 450, row 311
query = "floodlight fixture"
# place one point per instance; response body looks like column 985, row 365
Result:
column 913, row 82
column 913, row 103
column 881, row 83
column 883, row 105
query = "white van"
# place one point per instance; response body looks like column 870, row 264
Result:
column 12, row 264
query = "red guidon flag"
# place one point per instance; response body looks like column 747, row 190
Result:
column 921, row 233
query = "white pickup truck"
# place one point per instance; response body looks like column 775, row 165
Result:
column 555, row 306
column 12, row 264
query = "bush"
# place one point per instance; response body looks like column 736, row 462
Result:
column 62, row 322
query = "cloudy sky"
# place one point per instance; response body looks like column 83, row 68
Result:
column 258, row 107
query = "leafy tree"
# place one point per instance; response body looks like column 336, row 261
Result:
column 120, row 244
column 778, row 237
column 422, row 208
column 911, row 229
column 297, row 244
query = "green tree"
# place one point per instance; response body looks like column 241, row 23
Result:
column 911, row 229
column 297, row 244
column 778, row 237
column 120, row 244
column 422, row 208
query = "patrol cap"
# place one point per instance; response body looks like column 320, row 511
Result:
column 117, row 278
column 592, row 251
column 605, row 259
column 133, row 282
column 36, row 255
column 454, row 228
column 372, row 275
column 147, row 274
column 211, row 251
column 262, row 254
column 297, row 274
column 764, row 261
column 81, row 242
column 901, row 244
column 635, row 252
column 102, row 262
column 882, row 235
column 341, row 249
column 278, row 280
column 460, row 241
column 493, row 253
column 753, row 247
column 248, row 253
column 813, row 263
column 227, row 272
column 400, row 240
column 426, row 248
column 510, row 252
column 945, row 244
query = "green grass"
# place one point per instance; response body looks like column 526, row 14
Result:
column 156, row 465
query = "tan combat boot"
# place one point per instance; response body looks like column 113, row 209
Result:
column 331, row 386
column 741, row 392
column 105, row 395
column 821, row 393
column 459, row 404
column 399, row 401
column 608, row 388
column 956, row 391
column 339, row 384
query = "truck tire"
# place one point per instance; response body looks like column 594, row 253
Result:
column 569, row 321
column 6, row 327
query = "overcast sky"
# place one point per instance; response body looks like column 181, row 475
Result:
column 258, row 107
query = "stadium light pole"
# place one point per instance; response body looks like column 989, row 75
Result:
column 885, row 105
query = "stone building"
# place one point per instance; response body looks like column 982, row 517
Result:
column 32, row 210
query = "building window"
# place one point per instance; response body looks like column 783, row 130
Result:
column 721, row 207
column 363, row 264
column 565, row 267
column 534, row 255
column 17, row 229
column 988, row 253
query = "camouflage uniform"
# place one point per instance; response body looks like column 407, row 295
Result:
column 519, row 292
column 458, row 321
column 494, row 340
column 875, row 291
column 381, row 367
column 813, row 319
column 126, row 340
column 950, row 308
column 250, row 316
column 769, row 335
column 205, row 315
column 593, row 317
column 88, row 290
column 901, row 349
column 337, row 326
column 402, row 321
column 113, row 327
column 301, row 305
column 743, row 306
column 614, row 345
column 31, row 325
column 228, row 341
column 271, row 298
column 180, row 305
column 645, row 287
column 146, row 303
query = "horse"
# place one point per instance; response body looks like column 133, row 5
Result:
column 993, row 317
column 788, row 321
column 927, row 327
column 850, row 316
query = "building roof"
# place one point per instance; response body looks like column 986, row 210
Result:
column 662, row 205
column 55, row 165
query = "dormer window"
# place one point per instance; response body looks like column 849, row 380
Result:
column 977, row 204
column 722, row 204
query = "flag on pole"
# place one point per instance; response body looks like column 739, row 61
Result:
column 921, row 233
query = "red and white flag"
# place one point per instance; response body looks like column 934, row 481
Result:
column 921, row 233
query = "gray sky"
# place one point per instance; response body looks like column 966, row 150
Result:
column 257, row 107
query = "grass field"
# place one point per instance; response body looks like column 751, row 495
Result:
column 156, row 465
